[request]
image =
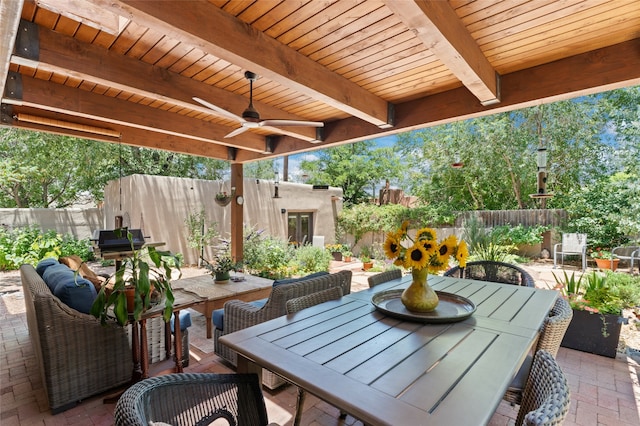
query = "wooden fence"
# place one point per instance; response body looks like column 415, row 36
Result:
column 491, row 218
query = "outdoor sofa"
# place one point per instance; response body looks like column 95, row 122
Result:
column 77, row 356
column 237, row 315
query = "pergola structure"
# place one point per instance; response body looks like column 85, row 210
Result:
column 128, row 70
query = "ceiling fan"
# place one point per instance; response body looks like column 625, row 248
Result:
column 250, row 118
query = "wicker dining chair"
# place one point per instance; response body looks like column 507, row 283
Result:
column 188, row 399
column 553, row 330
column 383, row 277
column 489, row 270
column 546, row 397
column 296, row 305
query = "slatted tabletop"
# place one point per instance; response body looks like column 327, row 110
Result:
column 387, row 371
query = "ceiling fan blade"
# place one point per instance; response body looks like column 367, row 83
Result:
column 219, row 110
column 237, row 131
column 299, row 123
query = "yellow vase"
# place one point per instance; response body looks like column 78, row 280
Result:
column 419, row 297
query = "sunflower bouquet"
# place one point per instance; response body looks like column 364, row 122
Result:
column 423, row 250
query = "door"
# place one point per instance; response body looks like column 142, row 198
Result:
column 300, row 227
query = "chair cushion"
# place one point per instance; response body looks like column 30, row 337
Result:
column 218, row 315
column 44, row 264
column 73, row 290
column 185, row 320
column 295, row 280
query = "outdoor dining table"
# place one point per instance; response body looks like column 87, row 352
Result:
column 386, row 370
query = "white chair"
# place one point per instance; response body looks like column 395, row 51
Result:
column 630, row 253
column 571, row 245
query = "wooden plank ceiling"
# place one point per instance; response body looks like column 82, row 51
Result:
column 126, row 70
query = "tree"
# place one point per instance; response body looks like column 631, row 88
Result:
column 46, row 170
column 354, row 168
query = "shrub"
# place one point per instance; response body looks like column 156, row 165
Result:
column 309, row 259
column 266, row 256
column 30, row 245
column 507, row 234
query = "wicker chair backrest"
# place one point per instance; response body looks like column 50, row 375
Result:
column 546, row 397
column 555, row 326
column 383, row 277
column 500, row 272
column 189, row 399
column 299, row 303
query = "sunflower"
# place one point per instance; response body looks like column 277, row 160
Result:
column 447, row 249
column 392, row 246
column 426, row 234
column 417, row 257
column 462, row 253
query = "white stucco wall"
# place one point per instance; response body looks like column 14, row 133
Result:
column 159, row 205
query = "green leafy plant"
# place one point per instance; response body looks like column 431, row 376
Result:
column 601, row 254
column 266, row 256
column 199, row 233
column 30, row 245
column 308, row 259
column 519, row 234
column 222, row 261
column 148, row 273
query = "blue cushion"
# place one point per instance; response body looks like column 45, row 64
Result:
column 44, row 264
column 295, row 280
column 218, row 315
column 72, row 290
column 185, row 320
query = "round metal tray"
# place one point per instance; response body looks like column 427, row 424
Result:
column 451, row 308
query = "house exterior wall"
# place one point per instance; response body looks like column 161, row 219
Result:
column 160, row 205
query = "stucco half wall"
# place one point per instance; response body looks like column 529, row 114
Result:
column 159, row 206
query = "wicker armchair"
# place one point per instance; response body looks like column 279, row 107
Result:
column 546, row 397
column 383, row 277
column 489, row 270
column 239, row 315
column 553, row 330
column 298, row 304
column 189, row 399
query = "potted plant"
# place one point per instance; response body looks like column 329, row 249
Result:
column 335, row 250
column 346, row 255
column 223, row 198
column 146, row 276
column 221, row 264
column 597, row 300
column 367, row 263
column 604, row 259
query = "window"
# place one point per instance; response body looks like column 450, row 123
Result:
column 300, row 228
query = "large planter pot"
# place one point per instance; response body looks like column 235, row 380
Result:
column 529, row 250
column 607, row 263
column 337, row 256
column 585, row 333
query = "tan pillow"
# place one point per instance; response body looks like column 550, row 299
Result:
column 75, row 263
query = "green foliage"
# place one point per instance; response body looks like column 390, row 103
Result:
column 359, row 219
column 607, row 211
column 519, row 234
column 266, row 256
column 46, row 170
column 605, row 294
column 484, row 244
column 199, row 233
column 308, row 259
column 144, row 269
column 354, row 168
column 30, row 245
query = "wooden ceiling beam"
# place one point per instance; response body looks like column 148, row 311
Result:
column 230, row 39
column 128, row 135
column 50, row 51
column 68, row 100
column 441, row 31
column 593, row 72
